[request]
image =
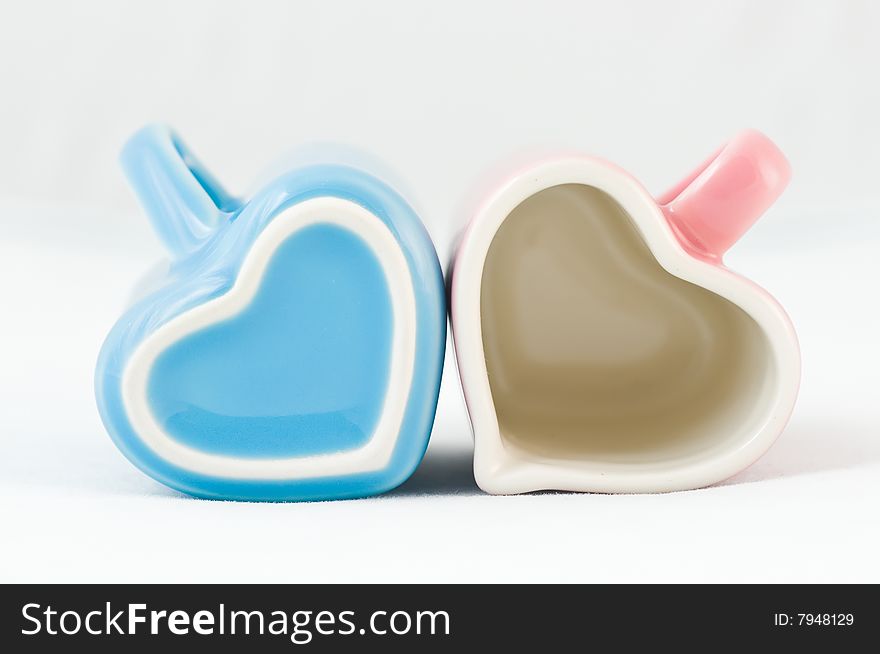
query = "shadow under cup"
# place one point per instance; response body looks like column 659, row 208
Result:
column 596, row 352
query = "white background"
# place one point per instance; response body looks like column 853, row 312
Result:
column 441, row 92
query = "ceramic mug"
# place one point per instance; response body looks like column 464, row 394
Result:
column 293, row 350
column 602, row 344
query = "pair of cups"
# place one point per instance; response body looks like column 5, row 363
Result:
column 294, row 349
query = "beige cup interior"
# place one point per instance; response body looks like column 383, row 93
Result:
column 595, row 352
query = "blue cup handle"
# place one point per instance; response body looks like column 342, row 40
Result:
column 182, row 199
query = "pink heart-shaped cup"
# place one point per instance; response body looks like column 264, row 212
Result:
column 602, row 344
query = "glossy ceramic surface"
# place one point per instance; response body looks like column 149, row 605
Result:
column 294, row 350
column 601, row 343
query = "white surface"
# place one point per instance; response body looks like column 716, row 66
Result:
column 372, row 455
column 440, row 91
column 72, row 508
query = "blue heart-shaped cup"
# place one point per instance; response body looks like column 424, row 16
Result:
column 295, row 347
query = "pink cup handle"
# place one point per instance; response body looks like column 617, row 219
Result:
column 714, row 206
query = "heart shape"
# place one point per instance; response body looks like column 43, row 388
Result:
column 328, row 391
column 293, row 354
column 308, row 383
column 602, row 350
